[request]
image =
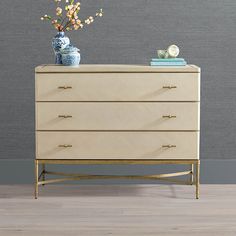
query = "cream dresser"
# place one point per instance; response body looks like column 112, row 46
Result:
column 117, row 114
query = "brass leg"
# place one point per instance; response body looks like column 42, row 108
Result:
column 192, row 174
column 43, row 171
column 36, row 179
column 197, row 179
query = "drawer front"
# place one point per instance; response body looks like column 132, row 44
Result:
column 118, row 87
column 117, row 145
column 117, row 116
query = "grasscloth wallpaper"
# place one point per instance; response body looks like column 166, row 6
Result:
column 129, row 33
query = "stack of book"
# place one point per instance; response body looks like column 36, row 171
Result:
column 168, row 62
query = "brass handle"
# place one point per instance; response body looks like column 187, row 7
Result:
column 169, row 116
column 168, row 146
column 64, row 116
column 64, row 87
column 169, row 87
column 65, row 146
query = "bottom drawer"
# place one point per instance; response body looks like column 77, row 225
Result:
column 117, row 145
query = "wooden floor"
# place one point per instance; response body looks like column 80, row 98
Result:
column 118, row 210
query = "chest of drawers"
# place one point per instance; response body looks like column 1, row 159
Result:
column 117, row 114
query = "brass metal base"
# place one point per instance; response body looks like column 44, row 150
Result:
column 40, row 179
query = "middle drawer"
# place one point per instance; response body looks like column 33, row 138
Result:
column 117, row 116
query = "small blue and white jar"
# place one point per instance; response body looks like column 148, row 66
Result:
column 59, row 42
column 70, row 56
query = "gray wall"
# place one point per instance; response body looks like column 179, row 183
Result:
column 129, row 33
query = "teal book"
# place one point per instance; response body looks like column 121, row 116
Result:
column 168, row 63
column 168, row 60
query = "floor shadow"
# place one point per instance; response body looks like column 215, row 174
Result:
column 75, row 191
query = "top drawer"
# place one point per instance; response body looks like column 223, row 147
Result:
column 118, row 87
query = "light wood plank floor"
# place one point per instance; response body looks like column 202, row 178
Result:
column 118, row 210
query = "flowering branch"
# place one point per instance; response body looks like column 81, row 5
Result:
column 70, row 21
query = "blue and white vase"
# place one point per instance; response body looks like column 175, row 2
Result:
column 59, row 42
column 70, row 56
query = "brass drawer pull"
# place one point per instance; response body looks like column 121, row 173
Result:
column 169, row 116
column 169, row 146
column 65, row 116
column 64, row 87
column 65, row 146
column 169, row 87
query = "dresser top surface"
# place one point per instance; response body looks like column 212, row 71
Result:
column 116, row 68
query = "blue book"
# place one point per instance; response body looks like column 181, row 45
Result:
column 168, row 60
column 168, row 63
